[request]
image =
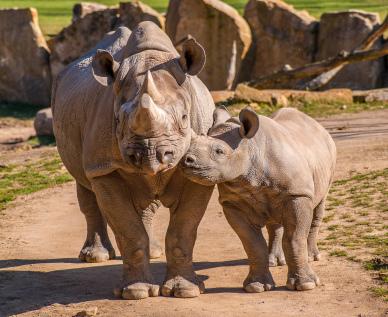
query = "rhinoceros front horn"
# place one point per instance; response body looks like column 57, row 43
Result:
column 148, row 116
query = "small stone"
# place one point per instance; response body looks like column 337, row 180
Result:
column 343, row 107
column 89, row 312
column 43, row 123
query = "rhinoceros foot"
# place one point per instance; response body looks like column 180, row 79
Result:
column 96, row 253
column 259, row 283
column 179, row 286
column 138, row 290
column 276, row 257
column 305, row 280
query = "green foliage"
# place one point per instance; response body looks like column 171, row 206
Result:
column 55, row 14
column 18, row 111
column 17, row 180
column 315, row 110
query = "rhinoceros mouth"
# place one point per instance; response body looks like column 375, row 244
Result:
column 150, row 159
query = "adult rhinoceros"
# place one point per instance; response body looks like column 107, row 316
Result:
column 122, row 119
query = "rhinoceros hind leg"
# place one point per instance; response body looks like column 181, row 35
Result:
column 275, row 249
column 313, row 250
column 97, row 247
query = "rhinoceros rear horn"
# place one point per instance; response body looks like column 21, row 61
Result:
column 104, row 67
column 193, row 57
column 249, row 123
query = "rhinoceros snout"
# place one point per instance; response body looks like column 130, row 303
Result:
column 165, row 156
column 154, row 160
column 189, row 160
column 135, row 158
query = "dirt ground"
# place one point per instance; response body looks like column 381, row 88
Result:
column 41, row 235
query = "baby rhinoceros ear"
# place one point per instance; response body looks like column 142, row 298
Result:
column 104, row 67
column 249, row 123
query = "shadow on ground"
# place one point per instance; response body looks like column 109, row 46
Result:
column 23, row 289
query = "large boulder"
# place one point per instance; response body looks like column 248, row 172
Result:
column 344, row 31
column 78, row 38
column 134, row 12
column 83, row 8
column 43, row 123
column 24, row 58
column 219, row 28
column 281, row 36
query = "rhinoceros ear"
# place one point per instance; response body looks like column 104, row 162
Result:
column 193, row 56
column 249, row 123
column 220, row 115
column 104, row 67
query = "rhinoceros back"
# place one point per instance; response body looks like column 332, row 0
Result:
column 77, row 110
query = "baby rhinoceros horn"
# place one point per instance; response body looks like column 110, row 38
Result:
column 148, row 117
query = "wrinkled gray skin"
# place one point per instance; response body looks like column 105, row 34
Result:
column 270, row 171
column 123, row 115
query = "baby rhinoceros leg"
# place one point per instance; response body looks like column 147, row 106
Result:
column 259, row 278
column 275, row 249
column 297, row 219
column 97, row 247
column 313, row 250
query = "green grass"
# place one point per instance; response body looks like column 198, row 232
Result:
column 17, row 180
column 356, row 226
column 18, row 111
column 315, row 110
column 55, row 14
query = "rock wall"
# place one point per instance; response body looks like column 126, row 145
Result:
column 281, row 36
column 79, row 37
column 219, row 28
column 24, row 58
column 344, row 31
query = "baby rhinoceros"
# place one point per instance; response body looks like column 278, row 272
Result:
column 269, row 171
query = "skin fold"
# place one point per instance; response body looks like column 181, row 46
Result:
column 273, row 172
column 123, row 115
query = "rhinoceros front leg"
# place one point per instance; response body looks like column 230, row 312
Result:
column 275, row 249
column 97, row 247
column 297, row 218
column 185, row 216
column 259, row 278
column 114, row 199
column 147, row 216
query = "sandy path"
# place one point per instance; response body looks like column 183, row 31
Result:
column 40, row 274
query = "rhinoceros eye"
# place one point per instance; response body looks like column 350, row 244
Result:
column 184, row 117
column 220, row 151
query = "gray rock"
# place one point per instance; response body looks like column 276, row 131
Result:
column 79, row 37
column 43, row 122
column 83, row 8
column 219, row 28
column 134, row 12
column 24, row 58
column 345, row 31
column 282, row 37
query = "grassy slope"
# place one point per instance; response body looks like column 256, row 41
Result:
column 55, row 14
